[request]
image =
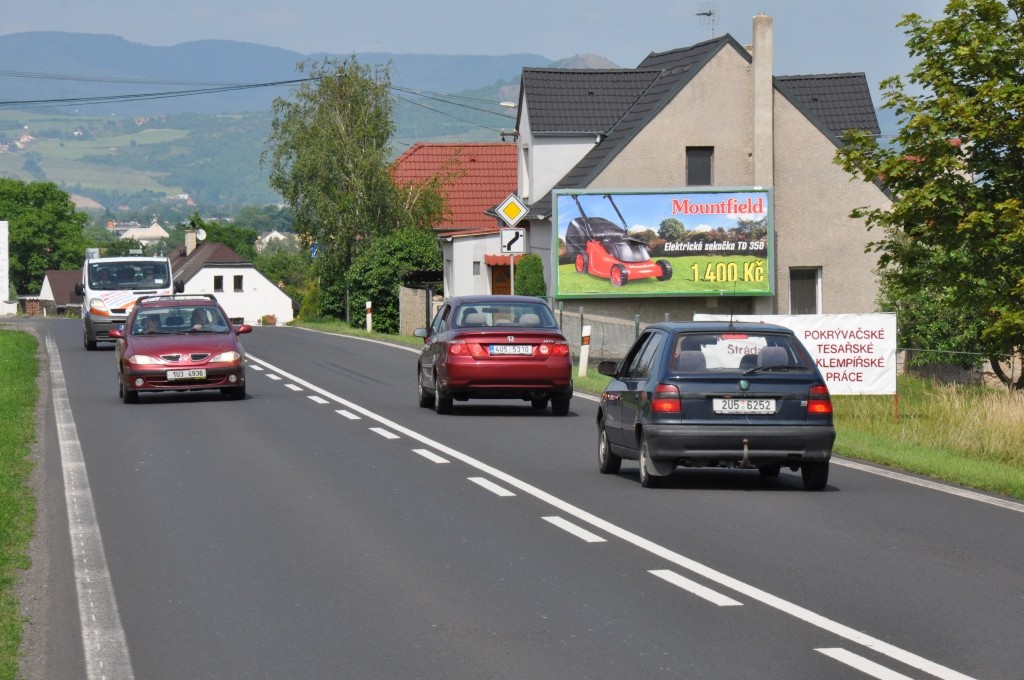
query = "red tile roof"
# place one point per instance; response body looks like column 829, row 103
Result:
column 485, row 176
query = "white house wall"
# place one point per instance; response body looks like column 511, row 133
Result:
column 813, row 227
column 464, row 251
column 543, row 161
column 259, row 296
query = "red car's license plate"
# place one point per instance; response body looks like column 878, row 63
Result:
column 190, row 374
column 515, row 350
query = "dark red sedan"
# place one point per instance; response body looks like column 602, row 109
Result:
column 179, row 343
column 494, row 347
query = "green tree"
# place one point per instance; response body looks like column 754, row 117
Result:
column 530, row 276
column 329, row 153
column 289, row 268
column 955, row 171
column 376, row 274
column 672, row 229
column 45, row 231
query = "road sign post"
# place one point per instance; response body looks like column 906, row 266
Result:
column 513, row 240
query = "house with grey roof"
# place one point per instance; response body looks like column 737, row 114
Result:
column 711, row 115
column 246, row 295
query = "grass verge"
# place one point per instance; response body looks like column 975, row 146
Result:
column 18, row 393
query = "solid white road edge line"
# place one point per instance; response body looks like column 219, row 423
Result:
column 106, row 649
column 875, row 644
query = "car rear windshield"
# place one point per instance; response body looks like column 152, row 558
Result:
column 738, row 351
column 521, row 314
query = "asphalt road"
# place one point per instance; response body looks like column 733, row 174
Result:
column 328, row 527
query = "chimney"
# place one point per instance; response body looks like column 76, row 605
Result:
column 764, row 122
column 190, row 241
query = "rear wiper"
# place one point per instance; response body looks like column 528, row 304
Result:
column 776, row 367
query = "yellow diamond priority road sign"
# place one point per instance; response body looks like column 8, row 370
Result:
column 512, row 210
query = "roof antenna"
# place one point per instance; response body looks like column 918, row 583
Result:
column 709, row 15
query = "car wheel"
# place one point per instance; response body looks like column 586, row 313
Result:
column 607, row 462
column 129, row 396
column 815, row 475
column 234, row 392
column 560, row 406
column 539, row 403
column 426, row 400
column 770, row 470
column 90, row 346
column 582, row 264
column 442, row 403
column 619, row 276
column 647, row 480
column 666, row 270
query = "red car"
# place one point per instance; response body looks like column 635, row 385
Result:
column 494, row 347
column 603, row 248
column 179, row 343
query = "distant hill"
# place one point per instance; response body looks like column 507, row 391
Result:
column 129, row 68
column 132, row 150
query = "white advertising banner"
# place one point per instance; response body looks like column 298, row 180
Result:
column 856, row 353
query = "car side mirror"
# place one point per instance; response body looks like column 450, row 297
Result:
column 609, row 368
column 179, row 286
column 244, row 328
column 80, row 289
column 115, row 333
column 422, row 333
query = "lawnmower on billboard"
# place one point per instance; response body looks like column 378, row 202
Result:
column 602, row 248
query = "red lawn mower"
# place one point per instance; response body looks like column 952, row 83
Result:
column 603, row 248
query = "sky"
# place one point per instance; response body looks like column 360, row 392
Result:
column 810, row 36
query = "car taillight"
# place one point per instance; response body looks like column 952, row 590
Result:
column 558, row 349
column 666, row 399
column 460, row 347
column 819, row 401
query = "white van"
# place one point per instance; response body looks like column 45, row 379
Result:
column 111, row 285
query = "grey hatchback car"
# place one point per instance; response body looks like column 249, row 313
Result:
column 716, row 394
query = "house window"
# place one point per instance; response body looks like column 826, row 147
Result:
column 698, row 165
column 218, row 284
column 805, row 291
column 238, row 283
column 476, row 267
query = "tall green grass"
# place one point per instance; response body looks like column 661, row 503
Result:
column 18, row 394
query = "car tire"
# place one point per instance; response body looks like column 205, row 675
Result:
column 666, row 270
column 442, row 403
column 560, row 406
column 582, row 264
column 539, row 403
column 130, row 396
column 618, row 275
column 90, row 346
column 234, row 392
column 607, row 462
column 770, row 470
column 425, row 399
column 647, row 480
column 815, row 475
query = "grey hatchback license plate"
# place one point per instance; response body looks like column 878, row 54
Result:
column 744, row 406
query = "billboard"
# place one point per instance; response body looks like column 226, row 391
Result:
column 685, row 242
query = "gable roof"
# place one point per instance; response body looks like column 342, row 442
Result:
column 833, row 103
column 62, row 285
column 213, row 254
column 484, row 175
column 581, row 101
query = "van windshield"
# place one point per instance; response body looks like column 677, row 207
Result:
column 128, row 275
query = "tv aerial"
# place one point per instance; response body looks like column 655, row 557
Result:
column 709, row 15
